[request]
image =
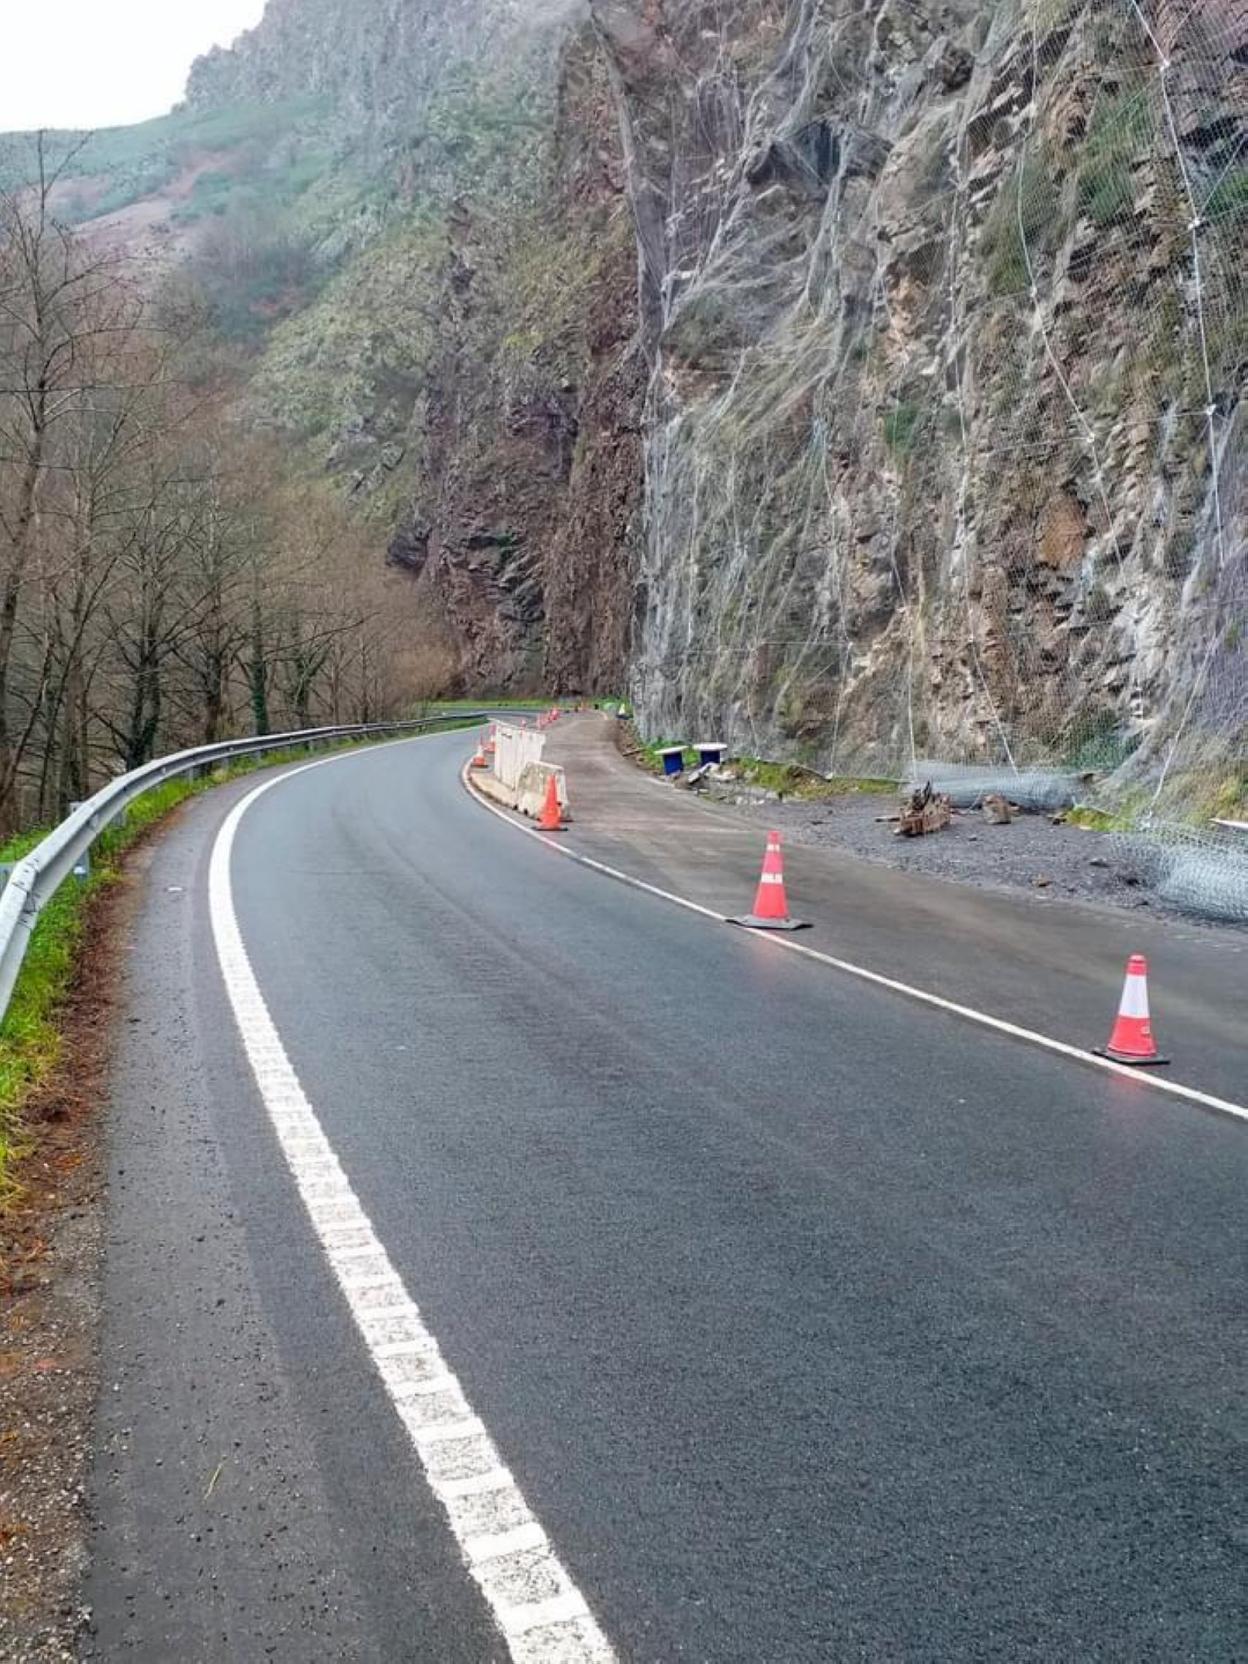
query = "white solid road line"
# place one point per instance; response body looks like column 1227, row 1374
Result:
column 543, row 1617
column 1138, row 1077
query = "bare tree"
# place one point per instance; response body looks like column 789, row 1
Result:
column 165, row 575
column 55, row 308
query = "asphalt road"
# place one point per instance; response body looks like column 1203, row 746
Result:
column 1049, row 965
column 814, row 1325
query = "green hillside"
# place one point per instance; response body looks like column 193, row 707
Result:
column 115, row 167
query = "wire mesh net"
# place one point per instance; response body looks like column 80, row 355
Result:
column 966, row 786
column 1203, row 871
column 949, row 457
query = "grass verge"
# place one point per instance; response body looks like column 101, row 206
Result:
column 1096, row 820
column 30, row 1038
column 792, row 780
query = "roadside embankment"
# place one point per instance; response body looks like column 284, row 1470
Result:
column 1073, row 854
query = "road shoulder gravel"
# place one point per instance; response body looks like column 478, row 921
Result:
column 50, row 1277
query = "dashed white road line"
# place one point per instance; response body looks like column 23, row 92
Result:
column 541, row 1613
column 1138, row 1077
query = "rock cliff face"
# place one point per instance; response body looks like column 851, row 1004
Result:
column 472, row 372
column 922, row 432
column 526, row 512
column 943, row 306
column 379, row 63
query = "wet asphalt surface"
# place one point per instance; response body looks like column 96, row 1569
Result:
column 814, row 1325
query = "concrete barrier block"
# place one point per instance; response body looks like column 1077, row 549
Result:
column 491, row 786
column 531, row 794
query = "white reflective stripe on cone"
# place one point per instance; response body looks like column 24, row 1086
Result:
column 1135, row 998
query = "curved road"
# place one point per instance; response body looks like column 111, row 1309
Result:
column 811, row 1324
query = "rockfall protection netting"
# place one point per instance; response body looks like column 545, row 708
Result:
column 1034, row 789
column 1204, row 872
column 949, row 449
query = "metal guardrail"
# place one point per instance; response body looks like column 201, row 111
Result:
column 36, row 878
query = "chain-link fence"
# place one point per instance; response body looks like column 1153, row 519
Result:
column 1203, row 871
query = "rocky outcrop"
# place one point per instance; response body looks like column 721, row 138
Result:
column 526, row 506
column 377, row 64
column 933, row 461
column 920, row 431
column 473, row 373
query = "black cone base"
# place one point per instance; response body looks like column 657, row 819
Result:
column 751, row 921
column 1131, row 1062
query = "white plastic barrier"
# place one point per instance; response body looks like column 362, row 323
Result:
column 514, row 749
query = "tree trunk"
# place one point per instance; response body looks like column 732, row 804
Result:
column 10, row 595
column 258, row 678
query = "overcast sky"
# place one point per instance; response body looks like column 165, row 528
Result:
column 104, row 63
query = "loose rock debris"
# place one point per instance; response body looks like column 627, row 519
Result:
column 924, row 811
column 997, row 810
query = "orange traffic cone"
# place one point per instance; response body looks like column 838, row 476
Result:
column 478, row 757
column 771, row 907
column 489, row 747
column 1132, row 1039
column 551, row 817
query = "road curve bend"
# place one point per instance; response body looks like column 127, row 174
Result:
column 770, row 1316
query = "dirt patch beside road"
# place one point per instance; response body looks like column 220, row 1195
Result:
column 1031, row 853
column 50, row 1257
